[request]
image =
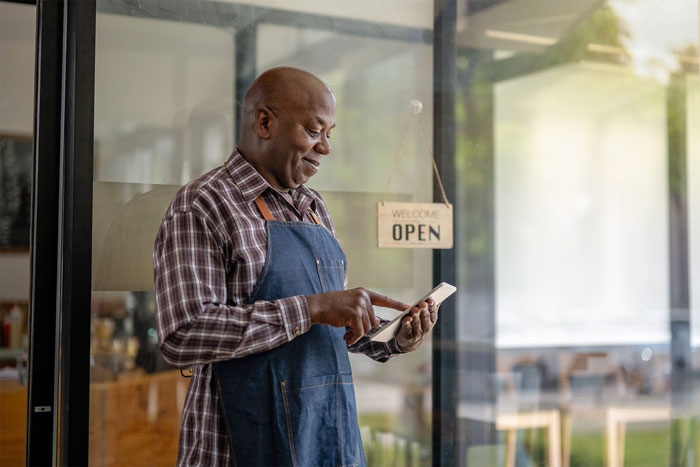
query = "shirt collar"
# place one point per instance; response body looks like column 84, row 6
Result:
column 252, row 184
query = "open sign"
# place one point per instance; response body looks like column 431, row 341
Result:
column 414, row 225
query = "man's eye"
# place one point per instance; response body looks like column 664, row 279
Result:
column 328, row 136
column 313, row 133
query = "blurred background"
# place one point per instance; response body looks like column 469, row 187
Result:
column 573, row 165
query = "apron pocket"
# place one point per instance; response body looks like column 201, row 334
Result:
column 321, row 421
column 331, row 272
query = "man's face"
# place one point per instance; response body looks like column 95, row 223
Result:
column 301, row 140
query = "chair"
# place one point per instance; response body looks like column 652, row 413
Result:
column 616, row 419
column 547, row 419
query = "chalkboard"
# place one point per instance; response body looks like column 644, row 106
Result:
column 15, row 191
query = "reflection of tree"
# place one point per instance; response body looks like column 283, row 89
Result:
column 598, row 37
column 688, row 58
column 602, row 27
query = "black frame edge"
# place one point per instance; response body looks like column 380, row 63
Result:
column 44, row 234
column 444, row 426
column 75, row 232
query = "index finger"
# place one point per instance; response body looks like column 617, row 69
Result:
column 383, row 300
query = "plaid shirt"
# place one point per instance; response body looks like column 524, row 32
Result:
column 208, row 253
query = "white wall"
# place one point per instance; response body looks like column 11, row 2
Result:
column 581, row 208
column 17, row 32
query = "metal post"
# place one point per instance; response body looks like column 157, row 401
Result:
column 679, row 275
column 245, row 45
column 75, row 233
column 445, row 445
column 44, row 233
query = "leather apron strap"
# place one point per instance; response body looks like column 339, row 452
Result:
column 267, row 215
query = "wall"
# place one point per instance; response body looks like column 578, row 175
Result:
column 17, row 35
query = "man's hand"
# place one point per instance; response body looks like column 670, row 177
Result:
column 416, row 326
column 351, row 309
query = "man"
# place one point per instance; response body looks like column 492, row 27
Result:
column 250, row 293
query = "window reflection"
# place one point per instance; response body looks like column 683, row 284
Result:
column 165, row 113
column 576, row 123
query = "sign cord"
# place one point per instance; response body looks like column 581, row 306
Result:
column 398, row 155
column 430, row 152
column 432, row 157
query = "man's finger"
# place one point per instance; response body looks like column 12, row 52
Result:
column 348, row 336
column 366, row 323
column 407, row 327
column 356, row 331
column 373, row 321
column 425, row 320
column 415, row 322
column 383, row 300
column 433, row 316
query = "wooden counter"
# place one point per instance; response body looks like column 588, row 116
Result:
column 13, row 422
column 133, row 421
column 136, row 420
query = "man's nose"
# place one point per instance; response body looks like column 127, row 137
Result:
column 323, row 146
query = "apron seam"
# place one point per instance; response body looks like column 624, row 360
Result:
column 337, row 417
column 317, row 386
column 266, row 266
column 320, row 276
column 221, row 407
column 292, row 450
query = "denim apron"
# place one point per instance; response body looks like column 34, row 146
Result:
column 295, row 404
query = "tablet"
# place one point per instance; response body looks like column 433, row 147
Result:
column 389, row 330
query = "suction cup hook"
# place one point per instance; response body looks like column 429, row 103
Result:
column 416, row 106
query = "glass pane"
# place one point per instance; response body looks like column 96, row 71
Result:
column 577, row 127
column 17, row 46
column 164, row 114
column 374, row 81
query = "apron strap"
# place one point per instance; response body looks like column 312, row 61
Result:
column 267, row 215
column 314, row 216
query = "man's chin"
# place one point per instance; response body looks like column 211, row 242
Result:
column 300, row 181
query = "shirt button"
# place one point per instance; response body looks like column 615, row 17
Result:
column 297, row 331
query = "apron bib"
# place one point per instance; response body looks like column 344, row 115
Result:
column 294, row 404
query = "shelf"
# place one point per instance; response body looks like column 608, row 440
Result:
column 10, row 354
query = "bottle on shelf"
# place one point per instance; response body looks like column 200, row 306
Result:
column 15, row 319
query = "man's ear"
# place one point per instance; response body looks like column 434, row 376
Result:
column 264, row 121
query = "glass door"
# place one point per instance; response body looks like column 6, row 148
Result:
column 169, row 81
column 577, row 156
column 164, row 114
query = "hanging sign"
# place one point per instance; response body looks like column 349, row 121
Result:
column 414, row 225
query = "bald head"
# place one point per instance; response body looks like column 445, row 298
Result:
column 281, row 89
column 286, row 120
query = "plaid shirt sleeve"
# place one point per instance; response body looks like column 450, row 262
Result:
column 196, row 322
column 379, row 351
